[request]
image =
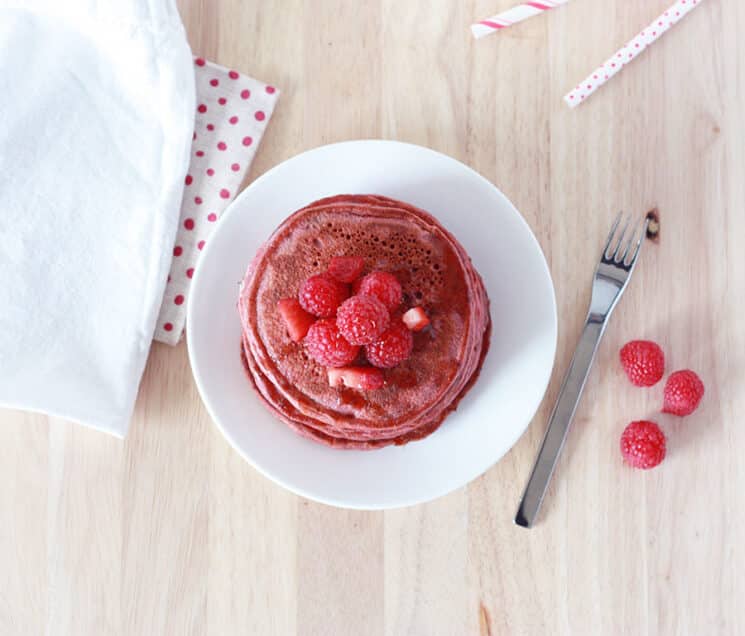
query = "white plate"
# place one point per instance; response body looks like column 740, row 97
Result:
column 495, row 412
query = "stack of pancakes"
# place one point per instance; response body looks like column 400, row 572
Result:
column 435, row 273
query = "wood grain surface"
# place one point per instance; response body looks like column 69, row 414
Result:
column 171, row 532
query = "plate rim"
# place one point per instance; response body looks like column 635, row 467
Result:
column 299, row 491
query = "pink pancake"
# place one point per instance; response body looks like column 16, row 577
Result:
column 435, row 272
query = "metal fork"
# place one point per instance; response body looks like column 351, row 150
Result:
column 611, row 278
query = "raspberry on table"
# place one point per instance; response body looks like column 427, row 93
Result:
column 392, row 348
column 362, row 319
column 643, row 361
column 346, row 269
column 683, row 393
column 327, row 346
column 643, row 444
column 384, row 286
column 321, row 294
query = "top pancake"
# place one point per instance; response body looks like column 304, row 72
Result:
column 434, row 272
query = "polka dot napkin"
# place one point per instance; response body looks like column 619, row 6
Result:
column 232, row 113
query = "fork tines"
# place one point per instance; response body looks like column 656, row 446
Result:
column 624, row 254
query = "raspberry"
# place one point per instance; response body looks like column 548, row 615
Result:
column 643, row 362
column 346, row 268
column 361, row 319
column 327, row 346
column 320, row 295
column 683, row 392
column 384, row 286
column 643, row 444
column 393, row 347
column 362, row 378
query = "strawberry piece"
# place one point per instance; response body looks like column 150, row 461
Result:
column 320, row 295
column 643, row 361
column 297, row 320
column 362, row 319
column 643, row 444
column 362, row 378
column 346, row 269
column 384, row 286
column 392, row 348
column 327, row 346
column 683, row 393
column 415, row 319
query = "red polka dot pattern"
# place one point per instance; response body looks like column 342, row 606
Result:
column 238, row 109
column 630, row 51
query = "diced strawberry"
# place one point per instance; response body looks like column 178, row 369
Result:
column 346, row 269
column 415, row 319
column 362, row 378
column 298, row 320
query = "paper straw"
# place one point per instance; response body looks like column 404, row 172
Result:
column 623, row 56
column 513, row 16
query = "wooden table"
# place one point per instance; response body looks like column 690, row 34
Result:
column 171, row 532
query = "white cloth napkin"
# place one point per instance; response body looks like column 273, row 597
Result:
column 96, row 123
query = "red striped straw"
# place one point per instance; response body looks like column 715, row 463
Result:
column 513, row 16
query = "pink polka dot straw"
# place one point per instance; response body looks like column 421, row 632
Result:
column 630, row 51
column 513, row 16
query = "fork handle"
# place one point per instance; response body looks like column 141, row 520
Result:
column 561, row 418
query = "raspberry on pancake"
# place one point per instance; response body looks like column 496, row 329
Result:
column 361, row 319
column 384, row 286
column 320, row 295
